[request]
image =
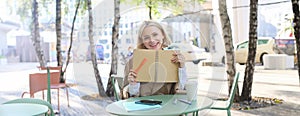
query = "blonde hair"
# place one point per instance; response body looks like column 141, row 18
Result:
column 166, row 39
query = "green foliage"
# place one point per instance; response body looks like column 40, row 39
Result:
column 248, row 108
column 83, row 7
column 24, row 8
column 65, row 8
column 195, row 41
column 155, row 4
column 277, row 101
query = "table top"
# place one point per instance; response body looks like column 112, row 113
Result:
column 22, row 109
column 168, row 106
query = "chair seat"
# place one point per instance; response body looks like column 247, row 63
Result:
column 225, row 105
column 220, row 105
column 56, row 86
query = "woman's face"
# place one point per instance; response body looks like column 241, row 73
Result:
column 152, row 38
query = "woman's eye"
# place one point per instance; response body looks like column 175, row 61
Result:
column 146, row 38
column 155, row 34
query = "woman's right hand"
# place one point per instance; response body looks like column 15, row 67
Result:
column 132, row 77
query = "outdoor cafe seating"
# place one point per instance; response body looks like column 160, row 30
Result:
column 57, row 84
column 31, row 106
column 37, row 83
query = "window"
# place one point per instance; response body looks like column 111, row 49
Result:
column 104, row 41
column 259, row 42
column 83, row 34
column 128, row 41
column 243, row 45
column 107, row 55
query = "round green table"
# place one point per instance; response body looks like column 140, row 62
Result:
column 22, row 109
column 169, row 106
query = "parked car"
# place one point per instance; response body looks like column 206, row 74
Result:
column 264, row 46
column 191, row 52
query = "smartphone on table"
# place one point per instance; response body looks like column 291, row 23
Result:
column 149, row 102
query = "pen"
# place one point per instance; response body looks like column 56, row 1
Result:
column 185, row 101
column 140, row 66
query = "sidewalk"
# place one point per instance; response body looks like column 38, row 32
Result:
column 281, row 84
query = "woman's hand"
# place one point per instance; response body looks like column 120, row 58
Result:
column 178, row 58
column 132, row 77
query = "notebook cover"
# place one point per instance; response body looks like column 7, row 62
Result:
column 158, row 66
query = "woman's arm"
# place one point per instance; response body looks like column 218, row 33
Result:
column 182, row 78
column 130, row 86
column 180, row 59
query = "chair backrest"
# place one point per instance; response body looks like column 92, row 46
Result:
column 233, row 89
column 51, row 68
column 55, row 68
column 116, row 87
column 38, row 81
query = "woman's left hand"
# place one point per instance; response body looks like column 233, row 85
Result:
column 178, row 58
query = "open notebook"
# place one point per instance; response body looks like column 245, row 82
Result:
column 157, row 67
column 132, row 106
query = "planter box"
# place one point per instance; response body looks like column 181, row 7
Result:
column 3, row 61
column 278, row 61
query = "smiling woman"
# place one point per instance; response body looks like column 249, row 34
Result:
column 152, row 36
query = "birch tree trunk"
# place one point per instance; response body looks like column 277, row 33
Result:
column 93, row 51
column 295, row 6
column 58, row 33
column 227, row 36
column 36, row 34
column 250, row 64
column 58, row 37
column 71, row 38
column 115, row 36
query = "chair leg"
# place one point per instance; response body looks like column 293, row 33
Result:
column 43, row 94
column 67, row 93
column 24, row 94
column 58, row 100
column 228, row 112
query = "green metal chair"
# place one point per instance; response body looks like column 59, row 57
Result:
column 38, row 101
column 116, row 87
column 226, row 105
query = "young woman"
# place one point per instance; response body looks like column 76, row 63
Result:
column 151, row 36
